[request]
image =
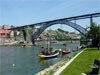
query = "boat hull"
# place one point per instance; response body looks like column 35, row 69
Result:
column 66, row 52
column 48, row 56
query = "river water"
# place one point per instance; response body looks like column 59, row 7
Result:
column 16, row 60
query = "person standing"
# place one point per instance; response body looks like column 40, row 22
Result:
column 98, row 46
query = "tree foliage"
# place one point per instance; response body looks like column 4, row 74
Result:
column 72, row 32
column 26, row 33
column 57, row 36
column 62, row 31
column 94, row 34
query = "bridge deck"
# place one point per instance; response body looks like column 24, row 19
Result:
column 68, row 19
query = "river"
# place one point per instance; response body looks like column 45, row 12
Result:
column 16, row 60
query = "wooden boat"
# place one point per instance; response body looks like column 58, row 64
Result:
column 48, row 51
column 48, row 56
column 25, row 46
column 66, row 51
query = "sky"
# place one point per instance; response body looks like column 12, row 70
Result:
column 25, row 12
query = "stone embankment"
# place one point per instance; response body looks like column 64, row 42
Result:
column 56, row 42
column 51, row 69
column 8, row 43
column 17, row 43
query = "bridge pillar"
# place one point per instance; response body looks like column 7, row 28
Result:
column 33, row 41
column 91, row 20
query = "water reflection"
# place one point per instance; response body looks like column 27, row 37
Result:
column 41, row 61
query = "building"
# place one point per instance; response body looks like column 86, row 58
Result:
column 4, row 33
column 0, row 27
column 5, row 26
column 12, row 34
column 34, row 29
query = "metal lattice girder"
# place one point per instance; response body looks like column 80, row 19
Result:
column 82, row 30
column 65, row 21
column 68, row 19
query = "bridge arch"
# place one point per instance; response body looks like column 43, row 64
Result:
column 44, row 26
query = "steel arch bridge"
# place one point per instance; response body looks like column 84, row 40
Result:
column 82, row 30
column 66, row 21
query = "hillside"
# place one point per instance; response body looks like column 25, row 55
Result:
column 58, row 34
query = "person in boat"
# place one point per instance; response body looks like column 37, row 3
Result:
column 50, row 51
column 64, row 47
column 77, row 48
column 46, row 51
column 43, row 51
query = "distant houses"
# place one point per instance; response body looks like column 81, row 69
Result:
column 53, row 34
column 6, row 33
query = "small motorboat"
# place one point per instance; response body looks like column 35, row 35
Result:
column 48, row 56
column 66, row 51
column 26, row 46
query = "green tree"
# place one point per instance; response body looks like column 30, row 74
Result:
column 26, row 33
column 60, row 30
column 72, row 32
column 94, row 34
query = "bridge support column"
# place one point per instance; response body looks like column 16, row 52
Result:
column 33, row 40
column 91, row 20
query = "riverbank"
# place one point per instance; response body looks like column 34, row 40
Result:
column 86, row 58
column 55, row 42
column 52, row 69
column 17, row 43
column 71, row 66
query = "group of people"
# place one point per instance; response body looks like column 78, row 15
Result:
column 47, row 51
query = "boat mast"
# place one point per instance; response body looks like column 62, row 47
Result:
column 50, row 37
column 47, row 42
column 50, row 42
